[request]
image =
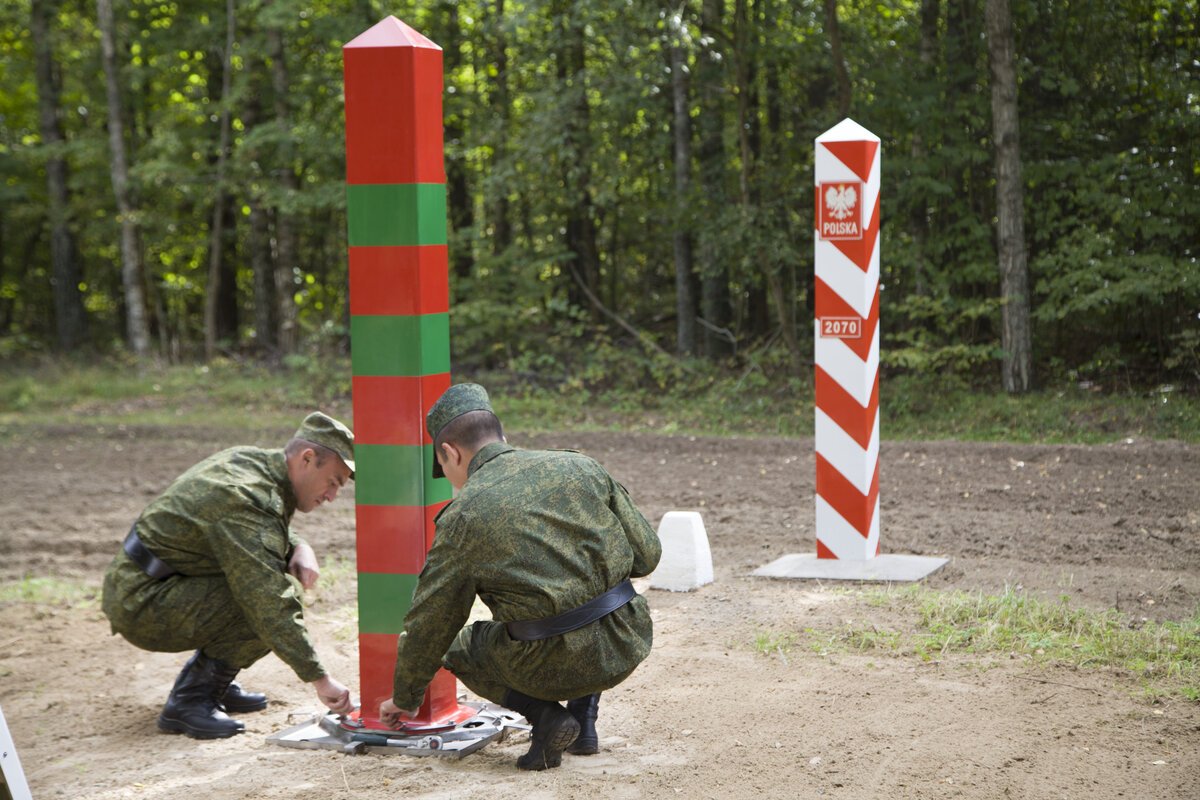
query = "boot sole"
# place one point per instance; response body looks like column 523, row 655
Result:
column 579, row 748
column 552, row 746
column 243, row 709
column 175, row 726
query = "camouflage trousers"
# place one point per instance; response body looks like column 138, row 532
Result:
column 481, row 657
column 179, row 613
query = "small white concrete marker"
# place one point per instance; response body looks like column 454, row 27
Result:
column 686, row 562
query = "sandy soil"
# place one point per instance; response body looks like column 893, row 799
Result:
column 708, row 714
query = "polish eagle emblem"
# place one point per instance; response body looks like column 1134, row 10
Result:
column 840, row 201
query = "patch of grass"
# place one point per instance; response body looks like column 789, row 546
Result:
column 110, row 393
column 1163, row 657
column 693, row 398
column 50, row 592
column 768, row 642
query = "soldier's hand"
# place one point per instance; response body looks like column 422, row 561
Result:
column 303, row 566
column 392, row 715
column 334, row 695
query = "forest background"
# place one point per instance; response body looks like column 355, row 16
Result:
column 628, row 189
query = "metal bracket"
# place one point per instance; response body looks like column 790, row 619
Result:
column 324, row 731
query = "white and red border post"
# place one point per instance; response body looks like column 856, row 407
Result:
column 846, row 257
column 846, row 295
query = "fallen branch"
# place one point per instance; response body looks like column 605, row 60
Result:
column 611, row 315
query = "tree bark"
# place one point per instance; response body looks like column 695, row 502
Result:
column 137, row 330
column 458, row 189
column 918, row 215
column 1015, row 339
column 746, row 180
column 715, row 307
column 685, row 302
column 501, row 222
column 69, row 316
column 216, row 242
column 577, row 177
column 285, row 232
column 839, row 63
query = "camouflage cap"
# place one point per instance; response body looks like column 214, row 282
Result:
column 454, row 402
column 326, row 431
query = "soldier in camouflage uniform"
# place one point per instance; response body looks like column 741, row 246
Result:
column 536, row 535
column 212, row 565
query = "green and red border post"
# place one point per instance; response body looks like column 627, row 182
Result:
column 400, row 339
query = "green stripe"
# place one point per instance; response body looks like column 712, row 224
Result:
column 396, row 214
column 397, row 475
column 400, row 345
column 383, row 600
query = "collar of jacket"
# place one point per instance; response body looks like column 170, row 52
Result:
column 486, row 454
column 287, row 492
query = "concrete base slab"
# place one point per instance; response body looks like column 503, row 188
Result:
column 889, row 567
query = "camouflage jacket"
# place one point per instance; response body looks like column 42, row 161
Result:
column 532, row 534
column 228, row 516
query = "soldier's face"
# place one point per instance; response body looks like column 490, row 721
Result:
column 316, row 484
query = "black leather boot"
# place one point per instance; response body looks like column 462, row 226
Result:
column 237, row 700
column 553, row 729
column 193, row 706
column 584, row 710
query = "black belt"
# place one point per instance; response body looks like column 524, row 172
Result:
column 151, row 564
column 568, row 621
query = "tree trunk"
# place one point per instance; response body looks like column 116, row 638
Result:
column 918, row 215
column 715, row 307
column 685, row 303
column 216, row 242
column 583, row 253
column 501, row 222
column 458, row 190
column 746, row 180
column 1016, row 366
column 839, row 63
column 69, row 316
column 137, row 330
column 285, row 232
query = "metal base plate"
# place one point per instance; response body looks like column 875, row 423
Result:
column 325, row 732
column 889, row 567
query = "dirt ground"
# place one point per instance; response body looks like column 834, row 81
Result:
column 708, row 715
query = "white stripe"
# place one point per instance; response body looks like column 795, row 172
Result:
column 845, row 367
column 843, row 453
column 842, row 538
column 848, row 281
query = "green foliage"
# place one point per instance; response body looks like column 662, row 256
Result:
column 566, row 150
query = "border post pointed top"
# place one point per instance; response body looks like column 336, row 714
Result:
column 390, row 32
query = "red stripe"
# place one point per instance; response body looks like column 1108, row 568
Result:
column 828, row 303
column 399, row 280
column 393, row 114
column 394, row 539
column 840, row 406
column 857, row 154
column 376, row 669
column 858, row 509
column 390, row 409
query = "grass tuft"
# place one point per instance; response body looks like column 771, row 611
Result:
column 1163, row 657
